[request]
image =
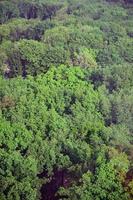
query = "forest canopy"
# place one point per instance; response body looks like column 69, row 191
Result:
column 66, row 100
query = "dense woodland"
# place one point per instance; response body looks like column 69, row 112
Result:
column 66, row 100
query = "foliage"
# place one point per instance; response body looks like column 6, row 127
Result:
column 66, row 100
column 45, row 116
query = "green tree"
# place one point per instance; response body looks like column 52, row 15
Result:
column 8, row 10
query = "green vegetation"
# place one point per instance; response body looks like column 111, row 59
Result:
column 66, row 100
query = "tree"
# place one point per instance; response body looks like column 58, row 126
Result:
column 25, row 57
column 46, row 124
column 84, row 57
column 104, row 184
column 8, row 10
